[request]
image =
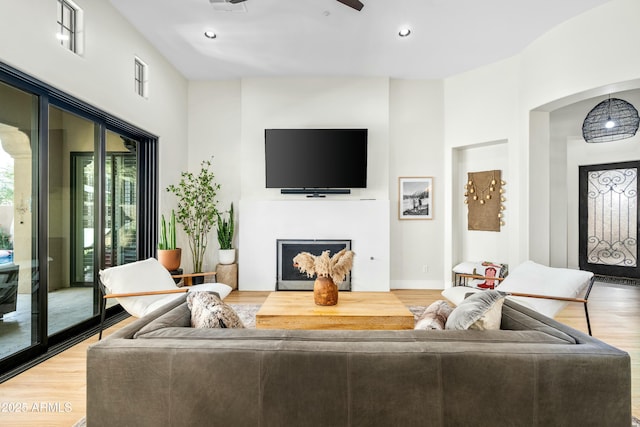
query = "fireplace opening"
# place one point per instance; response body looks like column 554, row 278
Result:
column 290, row 278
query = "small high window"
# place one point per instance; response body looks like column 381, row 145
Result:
column 140, row 77
column 70, row 26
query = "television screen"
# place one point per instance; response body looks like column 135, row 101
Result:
column 316, row 158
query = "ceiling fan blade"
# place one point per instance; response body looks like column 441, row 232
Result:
column 356, row 4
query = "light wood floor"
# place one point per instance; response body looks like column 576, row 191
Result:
column 57, row 387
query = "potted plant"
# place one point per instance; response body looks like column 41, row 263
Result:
column 227, row 254
column 330, row 272
column 168, row 255
column 197, row 209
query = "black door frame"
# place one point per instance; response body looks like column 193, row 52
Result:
column 147, row 154
column 602, row 269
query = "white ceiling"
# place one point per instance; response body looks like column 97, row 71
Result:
column 326, row 38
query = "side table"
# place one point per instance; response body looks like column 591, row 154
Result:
column 228, row 274
column 189, row 278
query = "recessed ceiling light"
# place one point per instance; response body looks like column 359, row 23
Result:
column 404, row 32
column 62, row 36
column 210, row 34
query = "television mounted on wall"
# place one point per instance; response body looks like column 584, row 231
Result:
column 316, row 161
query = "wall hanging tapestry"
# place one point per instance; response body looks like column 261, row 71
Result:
column 483, row 194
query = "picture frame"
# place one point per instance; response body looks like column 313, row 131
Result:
column 415, row 197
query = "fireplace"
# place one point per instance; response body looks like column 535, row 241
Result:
column 290, row 278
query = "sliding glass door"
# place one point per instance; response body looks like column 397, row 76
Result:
column 69, row 302
column 19, row 278
column 78, row 193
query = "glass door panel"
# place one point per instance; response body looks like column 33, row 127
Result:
column 121, row 200
column 19, row 279
column 72, row 185
column 609, row 219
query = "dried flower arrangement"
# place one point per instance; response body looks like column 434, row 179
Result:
column 337, row 267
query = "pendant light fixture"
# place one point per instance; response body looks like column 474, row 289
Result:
column 611, row 120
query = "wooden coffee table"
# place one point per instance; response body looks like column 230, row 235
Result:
column 355, row 310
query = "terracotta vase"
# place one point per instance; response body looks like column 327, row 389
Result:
column 170, row 258
column 325, row 292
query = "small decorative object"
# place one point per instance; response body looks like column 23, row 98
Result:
column 330, row 272
column 611, row 120
column 197, row 209
column 415, row 199
column 484, row 195
column 168, row 255
column 227, row 254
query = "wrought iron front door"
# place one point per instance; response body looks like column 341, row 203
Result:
column 609, row 219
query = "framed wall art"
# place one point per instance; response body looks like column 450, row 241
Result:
column 415, row 197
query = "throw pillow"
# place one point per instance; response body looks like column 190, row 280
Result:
column 208, row 311
column 435, row 316
column 482, row 311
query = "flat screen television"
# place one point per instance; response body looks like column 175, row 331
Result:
column 316, row 158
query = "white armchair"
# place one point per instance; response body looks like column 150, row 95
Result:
column 144, row 286
column 546, row 290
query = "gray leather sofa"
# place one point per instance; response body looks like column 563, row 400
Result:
column 158, row 371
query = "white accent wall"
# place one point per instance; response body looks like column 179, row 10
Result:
column 364, row 222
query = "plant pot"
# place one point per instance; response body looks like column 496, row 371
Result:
column 170, row 258
column 325, row 292
column 227, row 256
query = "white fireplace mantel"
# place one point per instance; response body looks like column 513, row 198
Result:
column 364, row 222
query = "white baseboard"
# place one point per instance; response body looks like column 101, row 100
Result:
column 417, row 284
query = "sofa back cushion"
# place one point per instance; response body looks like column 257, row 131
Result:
column 518, row 320
column 179, row 316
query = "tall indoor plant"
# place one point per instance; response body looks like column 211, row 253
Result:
column 227, row 254
column 168, row 254
column 197, row 209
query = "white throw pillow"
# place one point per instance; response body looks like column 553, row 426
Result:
column 139, row 276
column 481, row 311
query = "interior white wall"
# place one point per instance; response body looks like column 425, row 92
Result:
column 103, row 75
column 566, row 136
column 495, row 102
column 214, row 133
column 314, row 103
column 405, row 121
column 481, row 111
column 476, row 245
column 416, row 149
column 492, row 103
